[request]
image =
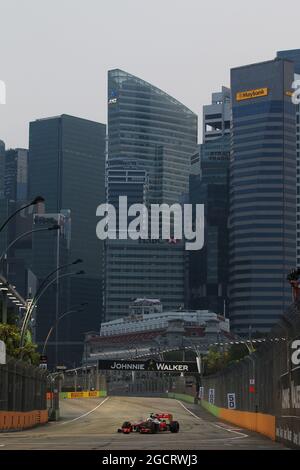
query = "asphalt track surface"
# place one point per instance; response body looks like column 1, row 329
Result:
column 92, row 424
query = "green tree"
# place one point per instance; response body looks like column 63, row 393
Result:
column 217, row 360
column 11, row 336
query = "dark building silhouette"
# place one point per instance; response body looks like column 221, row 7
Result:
column 209, row 185
column 16, row 174
column 67, row 167
column 294, row 56
column 262, row 194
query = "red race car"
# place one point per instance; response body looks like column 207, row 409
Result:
column 157, row 422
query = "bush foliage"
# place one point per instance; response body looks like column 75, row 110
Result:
column 11, row 336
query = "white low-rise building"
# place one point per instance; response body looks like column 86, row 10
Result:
column 155, row 321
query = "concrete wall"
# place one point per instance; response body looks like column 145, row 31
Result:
column 17, row 420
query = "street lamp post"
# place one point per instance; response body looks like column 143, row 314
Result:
column 68, row 312
column 23, row 235
column 36, row 299
column 43, row 284
column 35, row 201
column 56, row 271
column 196, row 349
column 59, row 268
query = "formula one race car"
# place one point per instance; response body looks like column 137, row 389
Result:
column 157, row 422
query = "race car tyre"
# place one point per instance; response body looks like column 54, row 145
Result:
column 154, row 428
column 174, row 426
column 126, row 424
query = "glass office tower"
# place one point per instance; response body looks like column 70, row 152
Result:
column 150, row 127
column 16, row 174
column 209, row 185
column 294, row 56
column 262, row 194
column 67, row 167
column 2, row 167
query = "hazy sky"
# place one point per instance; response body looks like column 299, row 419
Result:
column 54, row 54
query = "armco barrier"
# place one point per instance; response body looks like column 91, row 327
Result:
column 85, row 394
column 257, row 422
column 17, row 420
column 261, row 392
column 23, row 395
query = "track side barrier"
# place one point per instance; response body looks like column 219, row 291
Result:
column 84, row 394
column 257, row 422
column 17, row 420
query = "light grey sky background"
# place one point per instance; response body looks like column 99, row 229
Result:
column 54, row 54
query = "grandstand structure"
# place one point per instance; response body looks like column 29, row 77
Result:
column 140, row 334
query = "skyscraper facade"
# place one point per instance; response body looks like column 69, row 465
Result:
column 128, row 178
column 294, row 56
column 3, row 202
column 49, row 250
column 209, row 185
column 67, row 167
column 2, row 166
column 13, row 194
column 159, row 133
column 16, row 175
column 262, row 194
column 151, row 127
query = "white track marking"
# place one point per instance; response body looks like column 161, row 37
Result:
column 2, row 445
column 86, row 414
column 189, row 411
column 241, row 435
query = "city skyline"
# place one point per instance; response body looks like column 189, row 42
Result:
column 149, row 229
column 51, row 74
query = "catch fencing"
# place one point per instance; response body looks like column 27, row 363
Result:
column 23, row 387
column 264, row 385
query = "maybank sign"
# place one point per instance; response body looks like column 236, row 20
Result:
column 250, row 94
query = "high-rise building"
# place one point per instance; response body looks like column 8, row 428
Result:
column 151, row 127
column 16, row 175
column 160, row 134
column 294, row 56
column 216, row 116
column 128, row 178
column 209, row 185
column 13, row 194
column 262, row 194
column 50, row 249
column 3, row 202
column 2, row 167
column 4, row 213
column 67, row 167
